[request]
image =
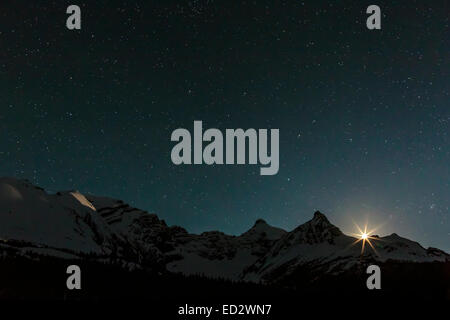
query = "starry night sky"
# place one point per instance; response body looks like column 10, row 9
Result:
column 364, row 116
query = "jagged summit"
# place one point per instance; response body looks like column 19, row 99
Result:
column 318, row 229
column 319, row 219
column 319, row 216
column 262, row 229
column 394, row 235
column 260, row 221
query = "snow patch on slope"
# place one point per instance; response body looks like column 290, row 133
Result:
column 82, row 199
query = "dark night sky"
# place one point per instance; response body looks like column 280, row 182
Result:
column 364, row 116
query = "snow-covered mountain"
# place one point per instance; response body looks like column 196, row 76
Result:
column 216, row 254
column 318, row 244
column 65, row 220
column 70, row 224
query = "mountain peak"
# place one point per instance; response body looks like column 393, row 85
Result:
column 319, row 216
column 260, row 221
column 318, row 229
column 319, row 219
column 262, row 228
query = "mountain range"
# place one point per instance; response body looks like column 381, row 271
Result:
column 74, row 226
